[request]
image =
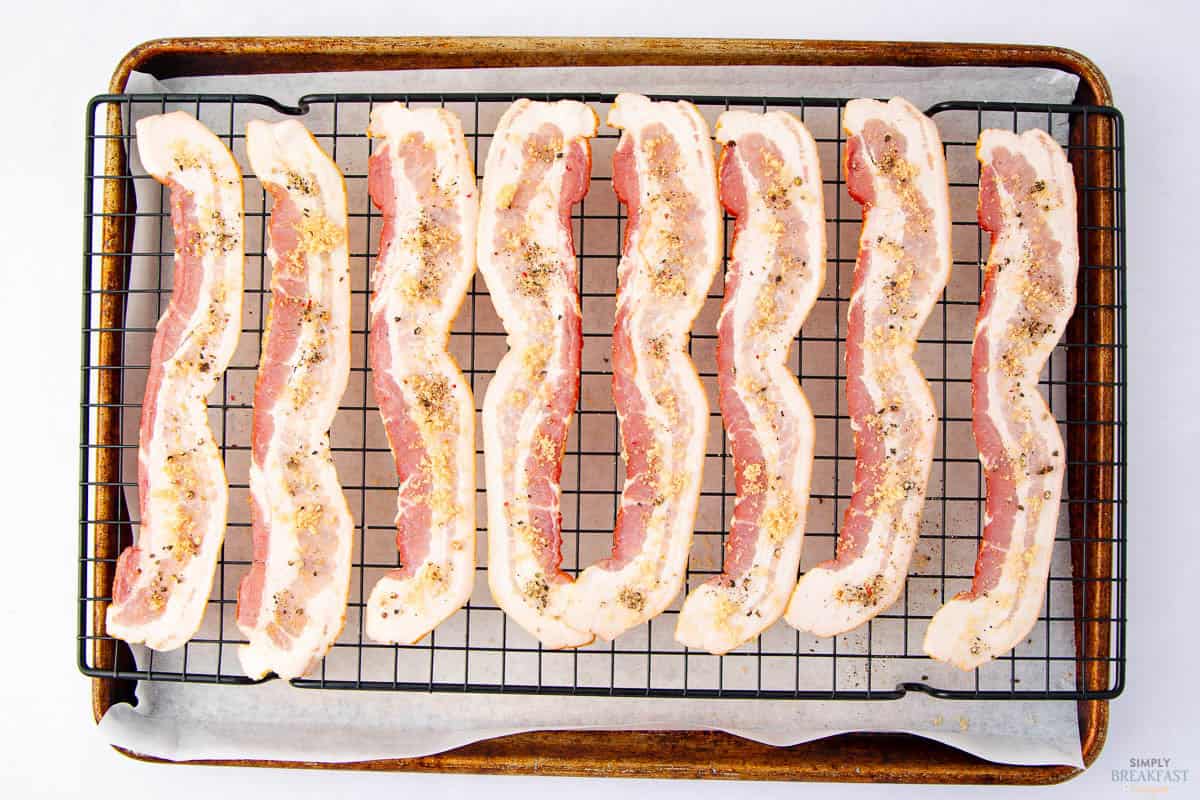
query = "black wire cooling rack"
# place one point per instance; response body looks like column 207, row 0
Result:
column 1076, row 651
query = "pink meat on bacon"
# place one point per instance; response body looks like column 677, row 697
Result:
column 292, row 604
column 422, row 179
column 663, row 171
column 895, row 168
column 538, row 168
column 162, row 584
column 1027, row 203
column 770, row 180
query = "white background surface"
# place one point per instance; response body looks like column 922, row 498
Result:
column 55, row 56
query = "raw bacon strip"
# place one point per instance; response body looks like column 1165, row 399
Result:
column 292, row 604
column 896, row 169
column 162, row 584
column 423, row 180
column 1027, row 203
column 537, row 168
column 663, row 171
column 770, row 178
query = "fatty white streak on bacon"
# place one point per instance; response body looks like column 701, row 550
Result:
column 896, row 169
column 422, row 179
column 770, row 180
column 1027, row 203
column 663, row 171
column 292, row 604
column 538, row 167
column 162, row 583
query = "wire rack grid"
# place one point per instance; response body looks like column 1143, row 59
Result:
column 1076, row 650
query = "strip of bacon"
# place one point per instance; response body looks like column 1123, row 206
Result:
column 663, row 171
column 896, row 169
column 1027, row 203
column 292, row 604
column 422, row 179
column 770, row 179
column 162, row 583
column 538, row 167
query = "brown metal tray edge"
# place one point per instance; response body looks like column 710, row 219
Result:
column 856, row 757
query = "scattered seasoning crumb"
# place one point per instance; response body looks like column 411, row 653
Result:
column 301, row 184
column 318, row 234
column 632, row 599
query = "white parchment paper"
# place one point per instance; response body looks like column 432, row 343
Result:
column 277, row 721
